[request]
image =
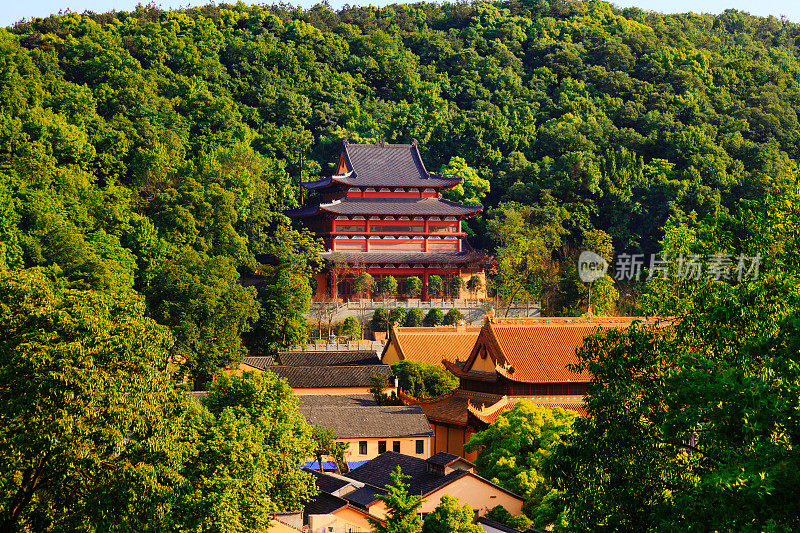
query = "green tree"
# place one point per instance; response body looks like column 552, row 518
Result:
column 453, row 316
column 397, row 316
column 472, row 187
column 380, row 382
column 200, row 299
column 526, row 238
column 474, row 284
column 388, row 286
column 380, row 319
column 254, row 443
column 351, row 328
column 513, row 449
column 413, row 286
column 434, row 317
column 501, row 514
column 450, row 517
column 414, row 318
column 364, row 284
column 326, row 445
column 422, row 380
column 86, row 409
column 691, row 431
column 435, row 286
column 402, row 508
column 456, row 285
column 285, row 298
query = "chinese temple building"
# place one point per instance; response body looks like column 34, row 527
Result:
column 513, row 359
column 382, row 213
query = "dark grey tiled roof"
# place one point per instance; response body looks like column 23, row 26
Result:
column 381, row 163
column 323, row 503
column 378, row 472
column 259, row 362
column 326, row 482
column 435, row 181
column 502, row 527
column 443, row 458
column 329, row 358
column 303, row 377
column 388, row 206
column 423, row 258
column 384, row 165
column 365, row 496
column 337, row 400
column 369, row 422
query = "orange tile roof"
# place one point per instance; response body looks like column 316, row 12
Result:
column 491, row 413
column 431, row 345
column 450, row 407
column 455, row 407
column 538, row 350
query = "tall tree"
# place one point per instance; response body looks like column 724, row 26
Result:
column 275, row 440
column 200, row 299
column 92, row 429
column 402, row 508
column 513, row 449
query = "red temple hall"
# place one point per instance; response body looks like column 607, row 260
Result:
column 382, row 213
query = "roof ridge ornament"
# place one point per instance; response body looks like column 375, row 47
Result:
column 380, row 142
column 414, row 142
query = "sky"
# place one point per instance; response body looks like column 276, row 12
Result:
column 13, row 10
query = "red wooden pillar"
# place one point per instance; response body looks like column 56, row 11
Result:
column 425, row 286
column 334, row 287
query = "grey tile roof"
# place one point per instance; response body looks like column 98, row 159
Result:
column 364, row 496
column 378, row 472
column 259, row 362
column 424, row 258
column 326, row 482
column 337, row 400
column 443, row 458
column 384, row 165
column 381, row 163
column 329, row 358
column 369, row 422
column 304, row 377
column 494, row 525
column 323, row 503
column 388, row 206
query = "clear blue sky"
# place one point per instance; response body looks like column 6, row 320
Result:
column 14, row 10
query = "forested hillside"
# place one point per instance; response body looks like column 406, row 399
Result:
column 156, row 151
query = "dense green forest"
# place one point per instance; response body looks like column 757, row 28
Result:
column 155, row 151
column 146, row 159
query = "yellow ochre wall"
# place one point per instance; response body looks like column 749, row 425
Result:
column 451, row 439
column 391, row 355
column 481, row 496
column 344, row 520
column 408, row 446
